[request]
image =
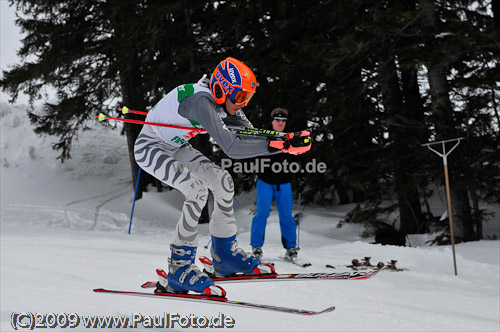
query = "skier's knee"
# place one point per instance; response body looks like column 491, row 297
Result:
column 222, row 185
column 196, row 191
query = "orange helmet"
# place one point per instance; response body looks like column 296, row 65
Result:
column 234, row 80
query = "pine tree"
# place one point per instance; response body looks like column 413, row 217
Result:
column 99, row 56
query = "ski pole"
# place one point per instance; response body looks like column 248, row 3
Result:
column 237, row 130
column 133, row 204
column 126, row 110
column 234, row 205
column 298, row 224
column 103, row 117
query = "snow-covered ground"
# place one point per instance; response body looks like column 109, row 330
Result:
column 64, row 232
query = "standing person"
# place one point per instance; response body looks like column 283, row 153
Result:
column 278, row 185
column 165, row 153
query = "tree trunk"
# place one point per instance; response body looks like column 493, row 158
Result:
column 128, row 65
column 495, row 6
column 441, row 107
column 478, row 220
column 340, row 188
column 350, row 126
column 410, row 213
column 416, row 132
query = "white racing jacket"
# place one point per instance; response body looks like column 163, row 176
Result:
column 192, row 105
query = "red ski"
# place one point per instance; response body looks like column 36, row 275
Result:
column 216, row 300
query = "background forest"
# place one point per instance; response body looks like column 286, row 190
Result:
column 373, row 79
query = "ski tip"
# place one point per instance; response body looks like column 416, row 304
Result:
column 330, row 309
column 314, row 313
column 102, row 117
column 97, row 290
column 125, row 109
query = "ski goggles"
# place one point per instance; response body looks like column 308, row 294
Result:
column 240, row 97
column 280, row 119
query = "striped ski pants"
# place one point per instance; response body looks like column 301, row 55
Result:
column 188, row 170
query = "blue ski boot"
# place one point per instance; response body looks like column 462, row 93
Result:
column 229, row 260
column 185, row 276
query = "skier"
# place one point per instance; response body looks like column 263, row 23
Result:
column 166, row 154
column 278, row 185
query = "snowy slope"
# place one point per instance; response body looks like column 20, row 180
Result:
column 64, row 232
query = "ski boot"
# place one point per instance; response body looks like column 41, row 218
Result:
column 257, row 251
column 391, row 266
column 291, row 254
column 228, row 259
column 185, row 276
column 366, row 261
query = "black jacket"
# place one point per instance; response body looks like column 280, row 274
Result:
column 270, row 177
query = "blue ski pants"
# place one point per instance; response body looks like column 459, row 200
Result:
column 284, row 205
